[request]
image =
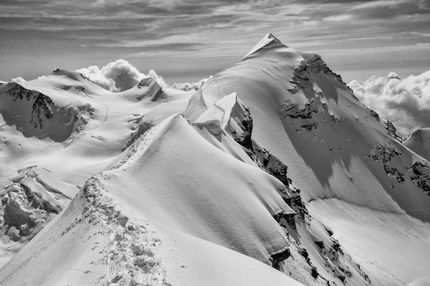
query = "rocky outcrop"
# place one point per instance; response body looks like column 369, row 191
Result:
column 420, row 176
column 279, row 256
column 150, row 88
column 292, row 110
column 240, row 127
column 391, row 130
column 385, row 154
column 18, row 92
column 302, row 72
column 41, row 111
column 37, row 115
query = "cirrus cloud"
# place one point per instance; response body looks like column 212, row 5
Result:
column 403, row 101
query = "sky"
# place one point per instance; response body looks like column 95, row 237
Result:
column 189, row 40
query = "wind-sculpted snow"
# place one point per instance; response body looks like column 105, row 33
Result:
column 270, row 173
column 180, row 197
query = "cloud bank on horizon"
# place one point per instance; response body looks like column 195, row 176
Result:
column 403, row 101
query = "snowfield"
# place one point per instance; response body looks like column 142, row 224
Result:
column 271, row 172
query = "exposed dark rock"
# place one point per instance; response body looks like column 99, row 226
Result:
column 391, row 130
column 292, row 110
column 289, row 218
column 41, row 111
column 374, row 114
column 41, row 108
column 386, row 154
column 276, row 168
column 320, row 244
column 419, row 176
column 301, row 78
column 18, row 92
column 15, row 215
column 303, row 252
column 308, row 127
column 279, row 257
column 153, row 89
column 314, row 272
column 293, row 198
column 245, row 123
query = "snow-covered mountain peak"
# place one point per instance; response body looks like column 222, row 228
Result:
column 268, row 39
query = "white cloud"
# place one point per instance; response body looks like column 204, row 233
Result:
column 187, row 86
column 115, row 76
column 404, row 102
column 18, row 79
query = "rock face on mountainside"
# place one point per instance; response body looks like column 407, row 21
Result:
column 271, row 173
column 36, row 114
column 315, row 64
column 150, row 88
column 41, row 105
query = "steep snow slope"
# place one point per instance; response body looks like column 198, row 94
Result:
column 273, row 164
